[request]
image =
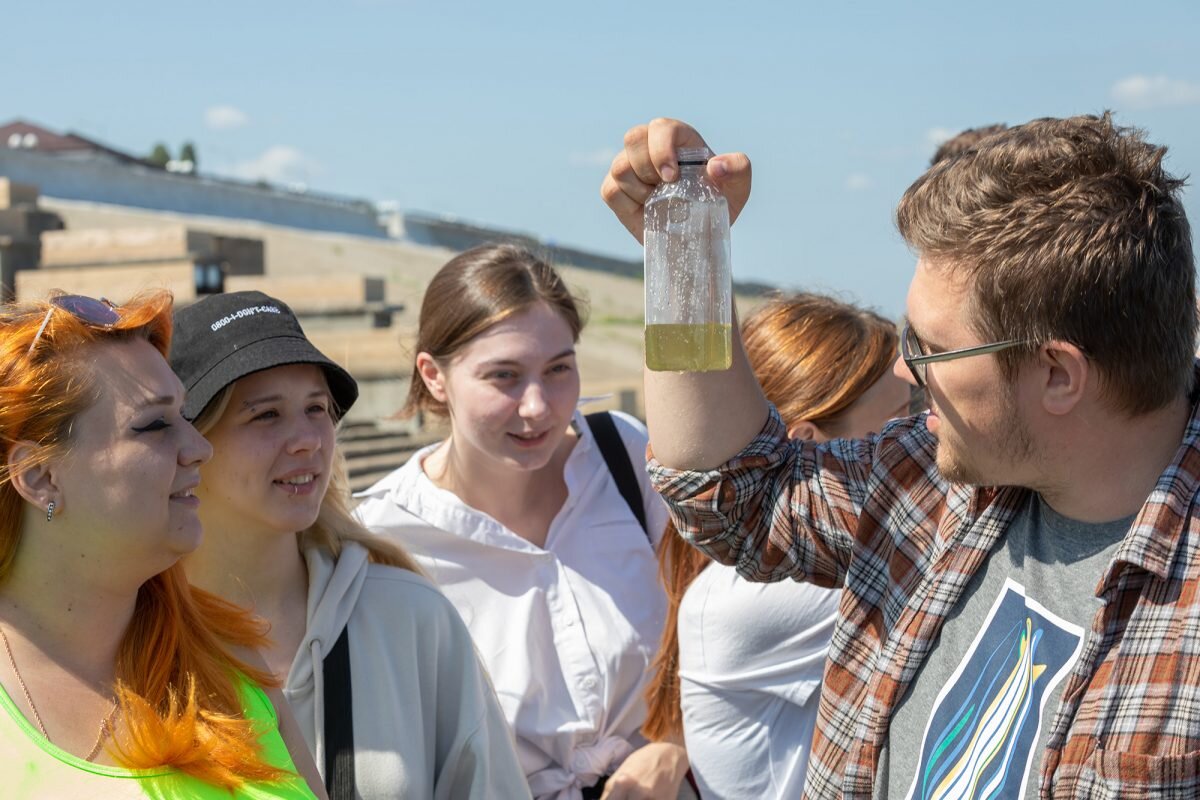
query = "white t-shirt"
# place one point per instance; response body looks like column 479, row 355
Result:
column 751, row 658
column 567, row 632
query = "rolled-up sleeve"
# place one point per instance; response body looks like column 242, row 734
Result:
column 779, row 509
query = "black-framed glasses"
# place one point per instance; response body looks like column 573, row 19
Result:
column 914, row 355
column 97, row 313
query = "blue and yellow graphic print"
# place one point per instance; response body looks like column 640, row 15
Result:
column 980, row 737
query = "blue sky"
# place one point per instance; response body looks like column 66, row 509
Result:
column 508, row 113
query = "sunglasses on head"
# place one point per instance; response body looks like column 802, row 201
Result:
column 97, row 313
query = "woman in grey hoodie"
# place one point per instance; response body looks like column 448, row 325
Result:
column 378, row 668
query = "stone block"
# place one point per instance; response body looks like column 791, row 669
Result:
column 27, row 223
column 17, row 195
column 117, row 283
column 77, row 248
column 241, row 256
column 315, row 294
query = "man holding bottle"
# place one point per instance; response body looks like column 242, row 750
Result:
column 1020, row 564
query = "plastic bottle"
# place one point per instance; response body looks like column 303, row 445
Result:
column 689, row 285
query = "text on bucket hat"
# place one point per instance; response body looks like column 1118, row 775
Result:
column 225, row 337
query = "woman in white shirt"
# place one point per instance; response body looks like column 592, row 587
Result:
column 518, row 519
column 740, row 664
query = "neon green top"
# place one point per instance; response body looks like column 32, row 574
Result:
column 32, row 767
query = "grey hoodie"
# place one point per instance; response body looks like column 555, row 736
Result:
column 426, row 720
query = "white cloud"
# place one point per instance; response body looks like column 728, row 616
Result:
column 857, row 182
column 1145, row 91
column 600, row 157
column 278, row 164
column 225, row 118
column 935, row 136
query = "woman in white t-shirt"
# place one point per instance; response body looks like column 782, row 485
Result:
column 740, row 664
column 518, row 519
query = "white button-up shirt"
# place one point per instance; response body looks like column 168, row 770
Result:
column 567, row 632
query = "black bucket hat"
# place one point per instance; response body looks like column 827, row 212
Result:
column 225, row 337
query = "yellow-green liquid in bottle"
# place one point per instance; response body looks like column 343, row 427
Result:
column 689, row 348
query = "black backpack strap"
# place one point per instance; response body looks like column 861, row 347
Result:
column 339, row 722
column 608, row 439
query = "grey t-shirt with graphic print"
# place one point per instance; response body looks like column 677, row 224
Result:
column 976, row 718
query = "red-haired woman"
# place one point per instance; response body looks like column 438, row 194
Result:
column 740, row 663
column 117, row 679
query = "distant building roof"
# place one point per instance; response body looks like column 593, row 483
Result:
column 21, row 135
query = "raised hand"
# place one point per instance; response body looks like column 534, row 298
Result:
column 649, row 159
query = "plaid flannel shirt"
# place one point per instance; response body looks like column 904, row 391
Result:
column 876, row 517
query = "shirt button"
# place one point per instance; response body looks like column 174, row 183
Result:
column 589, row 684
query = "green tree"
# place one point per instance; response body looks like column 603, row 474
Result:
column 160, row 155
column 188, row 153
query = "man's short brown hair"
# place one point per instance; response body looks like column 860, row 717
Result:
column 964, row 141
column 1071, row 230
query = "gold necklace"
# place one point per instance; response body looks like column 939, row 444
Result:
column 105, row 724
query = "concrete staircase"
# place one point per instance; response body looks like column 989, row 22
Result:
column 371, row 452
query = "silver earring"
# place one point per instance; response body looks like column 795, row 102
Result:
column 50, row 511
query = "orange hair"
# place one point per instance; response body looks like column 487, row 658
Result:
column 814, row 357
column 176, row 684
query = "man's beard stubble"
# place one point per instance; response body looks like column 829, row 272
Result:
column 1008, row 441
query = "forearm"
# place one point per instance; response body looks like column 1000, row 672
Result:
column 699, row 420
column 779, row 509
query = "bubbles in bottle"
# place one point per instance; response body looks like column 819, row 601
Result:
column 688, row 276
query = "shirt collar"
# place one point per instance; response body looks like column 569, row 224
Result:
column 410, row 490
column 1157, row 530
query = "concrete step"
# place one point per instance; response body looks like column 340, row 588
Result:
column 364, row 480
column 372, row 452
column 80, row 248
column 367, row 354
column 117, row 283
column 380, row 461
column 106, row 246
column 377, row 445
column 315, row 294
column 375, row 441
column 26, row 224
column 364, row 431
column 16, row 195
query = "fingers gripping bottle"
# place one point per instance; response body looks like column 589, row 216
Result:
column 688, row 278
